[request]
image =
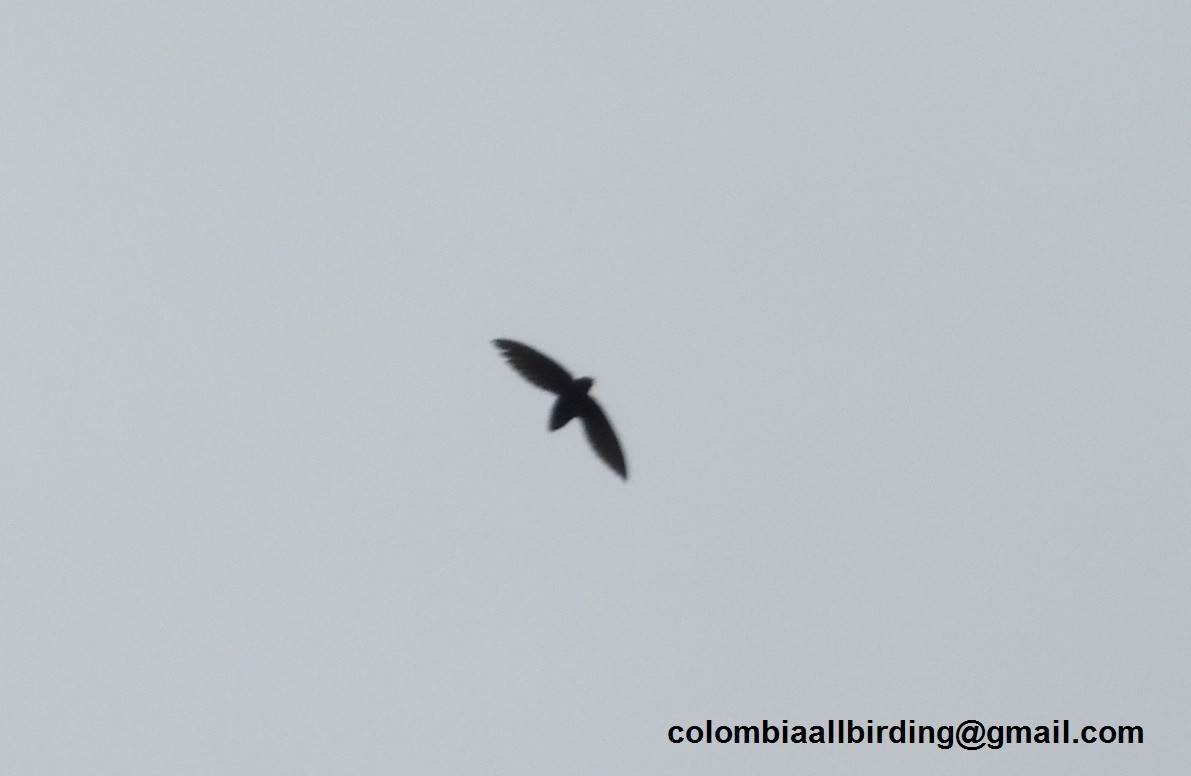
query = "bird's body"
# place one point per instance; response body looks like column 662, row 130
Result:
column 570, row 403
column 574, row 400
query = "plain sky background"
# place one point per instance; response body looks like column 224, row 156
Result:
column 889, row 303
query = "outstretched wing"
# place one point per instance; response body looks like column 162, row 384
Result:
column 602, row 437
column 539, row 369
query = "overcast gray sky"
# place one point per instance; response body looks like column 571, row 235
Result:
column 890, row 305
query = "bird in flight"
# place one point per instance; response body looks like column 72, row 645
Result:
column 573, row 399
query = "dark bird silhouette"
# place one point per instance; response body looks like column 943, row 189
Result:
column 573, row 399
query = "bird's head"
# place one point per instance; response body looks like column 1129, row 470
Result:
column 585, row 383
